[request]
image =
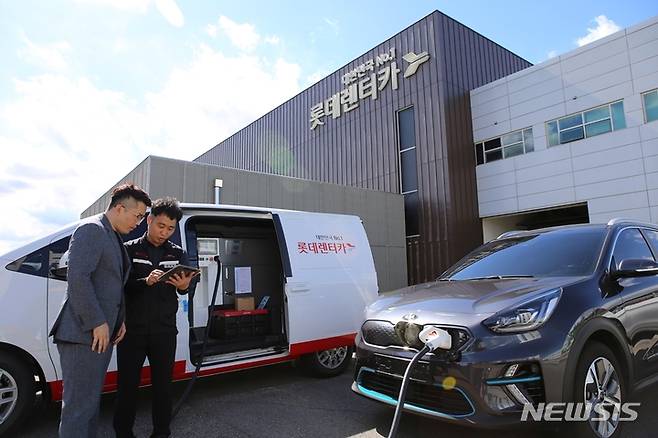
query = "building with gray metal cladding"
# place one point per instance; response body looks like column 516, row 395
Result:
column 382, row 213
column 397, row 119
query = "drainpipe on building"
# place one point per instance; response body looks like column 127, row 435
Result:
column 218, row 190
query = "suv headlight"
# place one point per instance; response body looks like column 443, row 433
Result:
column 525, row 316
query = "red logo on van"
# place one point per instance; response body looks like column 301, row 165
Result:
column 324, row 248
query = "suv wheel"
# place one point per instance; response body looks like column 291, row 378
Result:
column 17, row 392
column 599, row 381
column 327, row 363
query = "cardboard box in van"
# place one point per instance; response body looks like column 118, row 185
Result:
column 244, row 303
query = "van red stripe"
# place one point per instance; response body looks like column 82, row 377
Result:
column 179, row 373
column 321, row 344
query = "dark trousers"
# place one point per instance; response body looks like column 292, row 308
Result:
column 161, row 350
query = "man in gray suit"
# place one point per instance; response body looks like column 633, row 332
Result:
column 91, row 320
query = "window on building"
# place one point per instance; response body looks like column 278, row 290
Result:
column 509, row 145
column 650, row 105
column 596, row 121
column 409, row 170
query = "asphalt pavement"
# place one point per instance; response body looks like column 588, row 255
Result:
column 278, row 401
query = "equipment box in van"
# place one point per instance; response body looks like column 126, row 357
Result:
column 228, row 324
column 315, row 269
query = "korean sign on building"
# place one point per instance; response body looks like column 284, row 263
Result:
column 366, row 80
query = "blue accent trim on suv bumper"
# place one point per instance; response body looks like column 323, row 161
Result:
column 511, row 380
column 410, row 406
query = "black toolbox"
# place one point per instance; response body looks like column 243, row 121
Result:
column 236, row 324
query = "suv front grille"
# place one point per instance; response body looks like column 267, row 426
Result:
column 381, row 333
column 384, row 334
column 422, row 395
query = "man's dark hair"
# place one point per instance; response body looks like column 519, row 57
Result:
column 168, row 206
column 127, row 191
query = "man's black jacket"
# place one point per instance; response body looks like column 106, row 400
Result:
column 152, row 309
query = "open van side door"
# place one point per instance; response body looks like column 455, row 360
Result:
column 331, row 276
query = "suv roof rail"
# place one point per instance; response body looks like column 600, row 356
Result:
column 509, row 233
column 622, row 220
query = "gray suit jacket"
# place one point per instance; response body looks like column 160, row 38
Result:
column 97, row 273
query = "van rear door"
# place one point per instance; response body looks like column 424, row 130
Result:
column 331, row 276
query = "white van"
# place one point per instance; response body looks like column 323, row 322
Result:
column 312, row 273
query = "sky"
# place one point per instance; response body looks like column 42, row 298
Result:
column 90, row 88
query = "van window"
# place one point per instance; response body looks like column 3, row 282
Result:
column 41, row 261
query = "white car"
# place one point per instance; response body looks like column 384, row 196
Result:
column 312, row 274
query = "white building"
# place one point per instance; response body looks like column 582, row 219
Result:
column 573, row 139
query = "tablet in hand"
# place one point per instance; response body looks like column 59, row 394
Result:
column 178, row 270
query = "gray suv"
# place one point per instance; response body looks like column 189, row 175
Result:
column 563, row 314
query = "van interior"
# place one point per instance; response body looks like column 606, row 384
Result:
column 248, row 315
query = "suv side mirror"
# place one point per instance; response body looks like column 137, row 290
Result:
column 636, row 268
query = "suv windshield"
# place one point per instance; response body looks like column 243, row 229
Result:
column 570, row 252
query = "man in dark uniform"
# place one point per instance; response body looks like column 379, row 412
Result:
column 151, row 308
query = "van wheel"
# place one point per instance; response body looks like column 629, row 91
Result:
column 17, row 392
column 327, row 363
column 599, row 381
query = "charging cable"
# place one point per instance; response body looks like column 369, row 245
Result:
column 188, row 389
column 433, row 338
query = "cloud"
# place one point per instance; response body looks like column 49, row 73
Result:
column 316, row 76
column 83, row 137
column 35, row 173
column 12, row 185
column 8, row 237
column 71, row 140
column 171, row 12
column 272, row 39
column 243, row 36
column 211, row 30
column 551, row 54
column 56, row 217
column 217, row 95
column 50, row 56
column 604, row 27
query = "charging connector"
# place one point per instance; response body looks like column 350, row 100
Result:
column 433, row 338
